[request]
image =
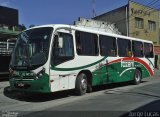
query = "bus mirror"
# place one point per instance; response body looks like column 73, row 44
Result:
column 60, row 42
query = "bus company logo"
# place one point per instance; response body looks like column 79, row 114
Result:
column 127, row 63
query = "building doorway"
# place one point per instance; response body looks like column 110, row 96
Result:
column 156, row 61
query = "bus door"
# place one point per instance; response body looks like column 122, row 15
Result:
column 62, row 53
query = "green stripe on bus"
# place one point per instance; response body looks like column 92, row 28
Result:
column 150, row 61
column 77, row 68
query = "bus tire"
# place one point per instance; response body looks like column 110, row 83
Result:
column 81, row 84
column 137, row 77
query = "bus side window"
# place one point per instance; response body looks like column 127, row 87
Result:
column 124, row 47
column 137, row 48
column 78, row 43
column 86, row 43
column 148, row 50
column 107, row 46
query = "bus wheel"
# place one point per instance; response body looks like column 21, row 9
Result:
column 81, row 84
column 137, row 77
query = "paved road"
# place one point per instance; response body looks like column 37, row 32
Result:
column 111, row 100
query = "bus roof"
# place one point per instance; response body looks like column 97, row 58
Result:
column 89, row 29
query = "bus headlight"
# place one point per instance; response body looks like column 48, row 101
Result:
column 12, row 72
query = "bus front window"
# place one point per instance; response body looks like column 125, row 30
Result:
column 32, row 47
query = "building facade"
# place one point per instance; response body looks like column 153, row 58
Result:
column 8, row 35
column 9, row 16
column 8, row 23
column 136, row 20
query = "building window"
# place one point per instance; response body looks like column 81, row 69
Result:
column 139, row 22
column 151, row 25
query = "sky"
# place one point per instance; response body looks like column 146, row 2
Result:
column 40, row 12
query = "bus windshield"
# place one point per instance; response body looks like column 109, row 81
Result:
column 32, row 47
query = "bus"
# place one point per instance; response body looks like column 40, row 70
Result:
column 58, row 57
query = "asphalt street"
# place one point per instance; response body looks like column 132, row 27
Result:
column 122, row 99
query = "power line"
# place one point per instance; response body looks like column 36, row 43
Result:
column 151, row 3
column 94, row 8
column 145, row 3
column 151, row 11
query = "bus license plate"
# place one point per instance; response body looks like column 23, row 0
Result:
column 20, row 84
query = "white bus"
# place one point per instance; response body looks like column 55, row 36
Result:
column 53, row 58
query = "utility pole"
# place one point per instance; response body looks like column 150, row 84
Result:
column 127, row 20
column 94, row 7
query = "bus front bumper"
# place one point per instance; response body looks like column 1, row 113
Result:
column 40, row 85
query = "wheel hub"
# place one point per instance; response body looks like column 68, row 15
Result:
column 84, row 84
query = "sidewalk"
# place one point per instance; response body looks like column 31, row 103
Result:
column 157, row 72
column 3, row 84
